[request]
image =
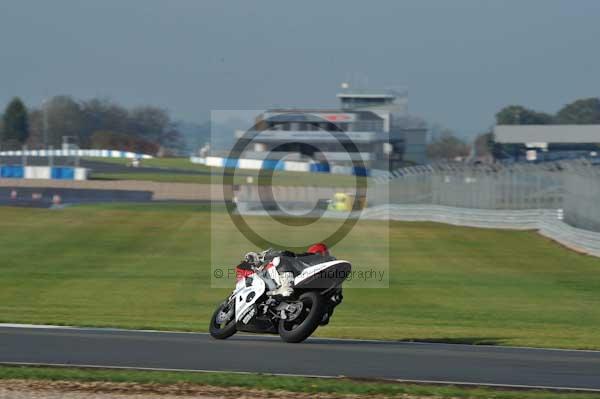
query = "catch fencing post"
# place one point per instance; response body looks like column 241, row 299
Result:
column 24, row 156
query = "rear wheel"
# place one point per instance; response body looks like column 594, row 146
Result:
column 222, row 322
column 300, row 326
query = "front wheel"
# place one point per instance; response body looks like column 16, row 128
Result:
column 222, row 322
column 300, row 326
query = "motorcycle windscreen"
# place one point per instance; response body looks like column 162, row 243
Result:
column 320, row 277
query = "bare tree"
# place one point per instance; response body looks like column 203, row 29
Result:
column 446, row 146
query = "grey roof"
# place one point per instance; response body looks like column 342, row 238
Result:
column 364, row 95
column 316, row 136
column 547, row 133
column 307, row 114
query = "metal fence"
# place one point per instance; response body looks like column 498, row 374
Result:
column 482, row 187
column 572, row 186
column 582, row 196
column 560, row 200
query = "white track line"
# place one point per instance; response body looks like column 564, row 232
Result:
column 407, row 381
column 109, row 329
column 98, row 329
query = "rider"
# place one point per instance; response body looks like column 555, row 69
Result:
column 286, row 276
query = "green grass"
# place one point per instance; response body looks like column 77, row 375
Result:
column 167, row 177
column 148, row 266
column 207, row 175
column 169, row 163
column 279, row 179
column 267, row 382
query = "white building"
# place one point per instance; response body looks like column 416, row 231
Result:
column 547, row 142
column 372, row 125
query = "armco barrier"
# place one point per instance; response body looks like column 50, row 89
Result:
column 12, row 172
column 319, row 167
column 528, row 219
column 42, row 172
column 36, row 172
column 547, row 222
column 272, row 164
column 584, row 241
column 63, row 173
column 76, row 153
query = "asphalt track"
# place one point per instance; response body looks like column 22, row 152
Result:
column 445, row 363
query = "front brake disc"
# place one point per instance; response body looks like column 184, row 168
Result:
column 295, row 310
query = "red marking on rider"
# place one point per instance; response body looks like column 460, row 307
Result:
column 242, row 274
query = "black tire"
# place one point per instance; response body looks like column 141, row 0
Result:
column 307, row 322
column 226, row 330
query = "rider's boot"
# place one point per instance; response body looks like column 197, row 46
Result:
column 285, row 289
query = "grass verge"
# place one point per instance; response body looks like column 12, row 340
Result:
column 208, row 175
column 272, row 383
column 149, row 266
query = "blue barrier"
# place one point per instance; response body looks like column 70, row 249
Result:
column 273, row 164
column 360, row 171
column 42, row 172
column 81, row 153
column 230, row 163
column 12, row 172
column 319, row 167
column 63, row 173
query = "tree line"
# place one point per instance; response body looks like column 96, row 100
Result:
column 95, row 123
column 101, row 123
column 445, row 145
column 585, row 111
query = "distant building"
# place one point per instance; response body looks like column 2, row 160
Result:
column 540, row 143
column 383, row 133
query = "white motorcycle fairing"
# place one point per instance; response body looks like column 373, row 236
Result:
column 246, row 297
column 342, row 268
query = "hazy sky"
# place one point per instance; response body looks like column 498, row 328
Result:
column 460, row 60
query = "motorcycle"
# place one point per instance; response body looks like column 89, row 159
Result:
column 252, row 308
